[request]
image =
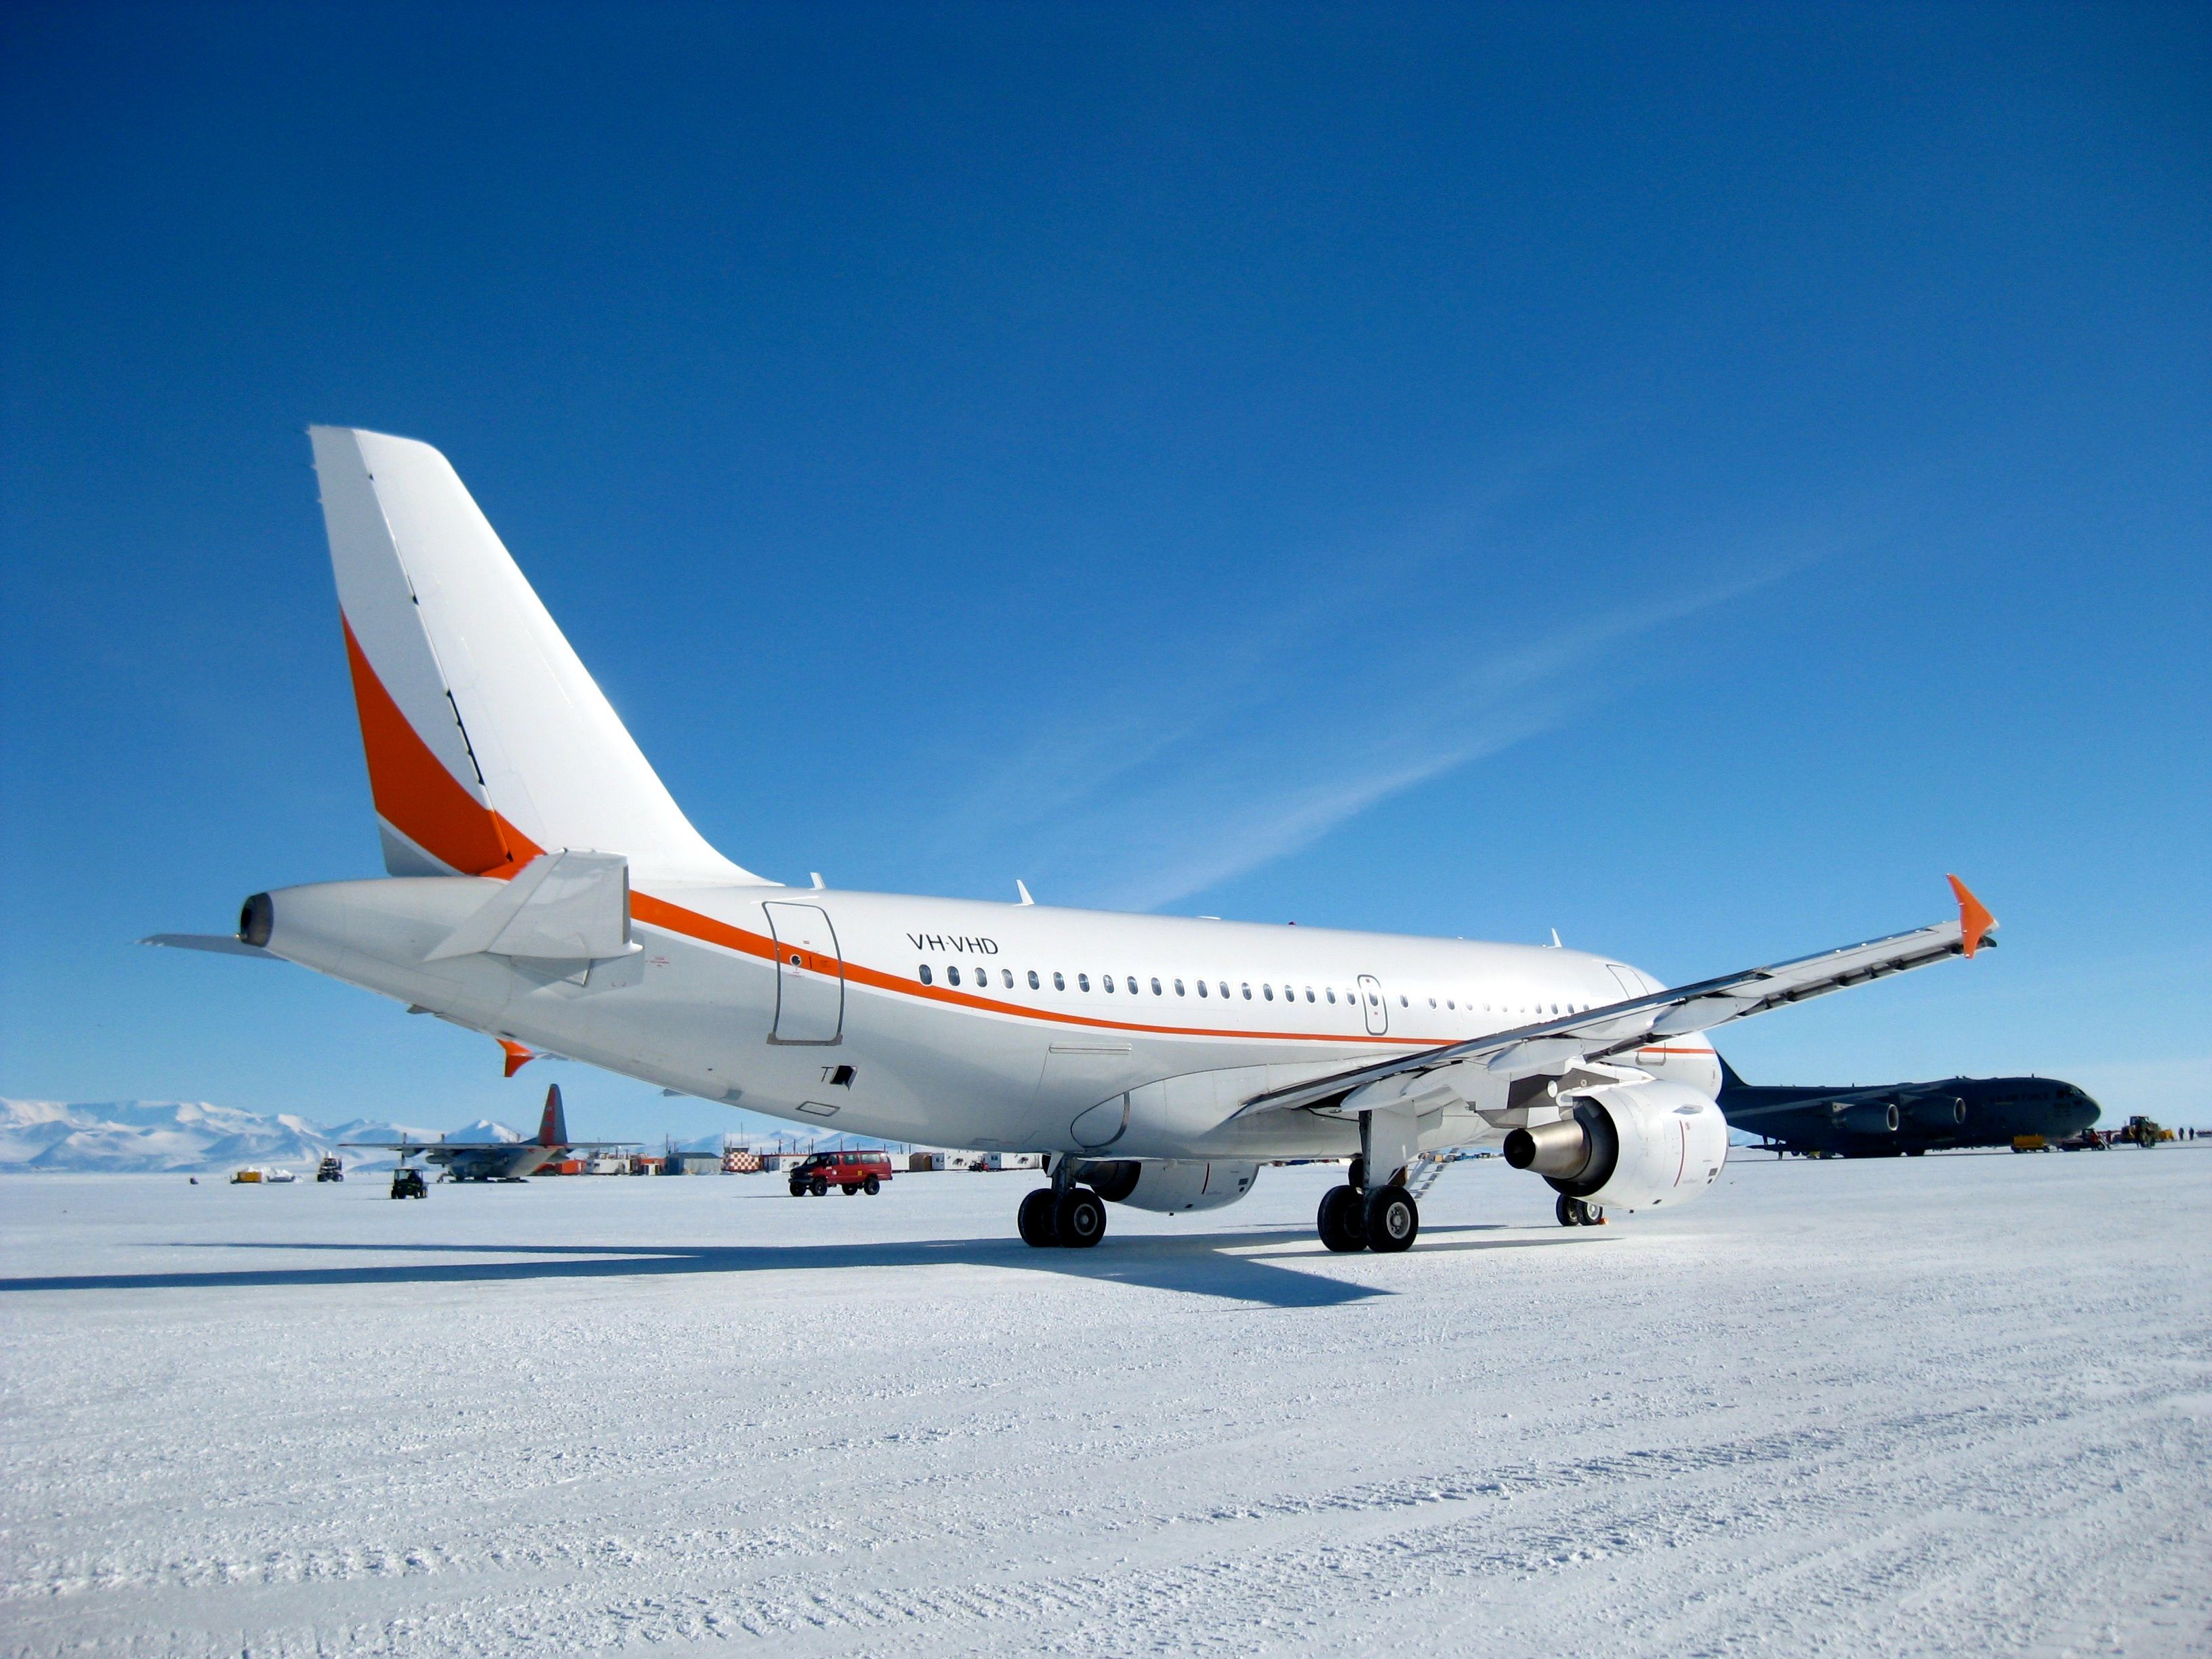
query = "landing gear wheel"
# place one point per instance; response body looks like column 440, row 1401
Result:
column 872, row 1186
column 1342, row 1222
column 1393, row 1220
column 1034, row 1219
column 1079, row 1218
column 1578, row 1213
column 819, row 1186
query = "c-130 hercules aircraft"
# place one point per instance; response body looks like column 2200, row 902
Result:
column 546, row 889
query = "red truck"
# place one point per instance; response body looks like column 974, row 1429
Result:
column 856, row 1172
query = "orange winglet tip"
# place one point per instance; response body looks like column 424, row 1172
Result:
column 1975, row 921
column 517, row 1056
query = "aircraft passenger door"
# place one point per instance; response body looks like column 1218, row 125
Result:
column 810, row 974
column 1371, row 1005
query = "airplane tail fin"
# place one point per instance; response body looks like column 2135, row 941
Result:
column 1730, row 1081
column 488, row 743
column 553, row 1127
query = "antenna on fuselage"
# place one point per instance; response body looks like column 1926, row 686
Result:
column 1556, row 945
column 818, row 882
column 1022, row 888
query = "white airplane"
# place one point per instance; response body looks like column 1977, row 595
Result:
column 546, row 889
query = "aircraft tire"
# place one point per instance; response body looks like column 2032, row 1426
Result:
column 1393, row 1220
column 1034, row 1219
column 1568, row 1211
column 1079, row 1218
column 1342, row 1221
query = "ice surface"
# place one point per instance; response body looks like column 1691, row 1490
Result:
column 1951, row 1404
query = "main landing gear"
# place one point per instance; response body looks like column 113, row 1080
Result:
column 1355, row 1216
column 1062, row 1214
column 1574, row 1212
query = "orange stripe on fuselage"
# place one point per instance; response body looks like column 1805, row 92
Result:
column 660, row 913
column 417, row 795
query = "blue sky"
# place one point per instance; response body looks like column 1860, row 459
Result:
column 1687, row 477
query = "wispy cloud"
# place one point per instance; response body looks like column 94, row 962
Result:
column 1271, row 738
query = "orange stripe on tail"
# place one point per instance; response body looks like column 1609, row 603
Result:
column 415, row 793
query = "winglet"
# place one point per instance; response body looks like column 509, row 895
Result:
column 517, row 1056
column 1975, row 923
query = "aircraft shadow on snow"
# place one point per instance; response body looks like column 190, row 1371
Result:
column 1213, row 1265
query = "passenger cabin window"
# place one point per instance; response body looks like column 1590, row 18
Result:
column 1083, row 981
column 953, row 977
column 1201, row 987
column 923, row 971
column 1268, row 992
column 1225, row 990
column 1132, row 984
column 1332, row 994
column 1178, row 988
column 1034, row 986
column 1248, row 993
column 1107, row 979
column 1057, row 983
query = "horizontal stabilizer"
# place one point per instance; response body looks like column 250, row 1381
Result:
column 222, row 944
column 562, row 907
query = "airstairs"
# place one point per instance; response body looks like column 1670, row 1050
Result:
column 1428, row 1168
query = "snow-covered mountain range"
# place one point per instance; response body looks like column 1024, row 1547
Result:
column 186, row 1136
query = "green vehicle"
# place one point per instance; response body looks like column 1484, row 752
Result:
column 407, row 1183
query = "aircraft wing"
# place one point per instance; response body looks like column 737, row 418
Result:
column 1596, row 1034
column 397, row 1145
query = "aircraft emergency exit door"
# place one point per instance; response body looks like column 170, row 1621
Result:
column 810, row 974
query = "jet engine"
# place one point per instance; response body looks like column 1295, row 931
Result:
column 1868, row 1117
column 1169, row 1185
column 1627, row 1145
column 1939, row 1112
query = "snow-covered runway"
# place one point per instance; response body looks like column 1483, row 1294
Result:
column 1957, row 1404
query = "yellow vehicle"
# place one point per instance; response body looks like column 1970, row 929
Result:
column 2030, row 1143
column 246, row 1178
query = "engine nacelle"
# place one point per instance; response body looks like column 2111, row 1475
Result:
column 1868, row 1117
column 1168, row 1185
column 1938, row 1112
column 1627, row 1145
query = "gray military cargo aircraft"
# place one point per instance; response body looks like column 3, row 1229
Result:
column 497, row 1160
column 1891, row 1120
